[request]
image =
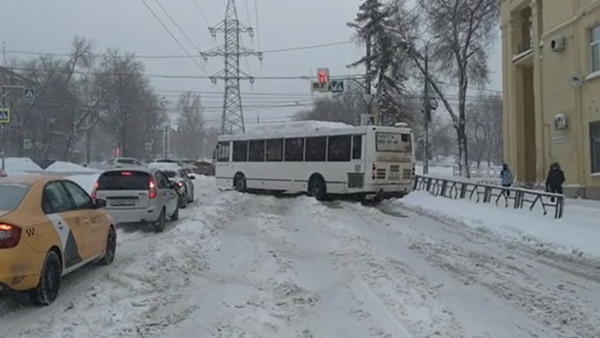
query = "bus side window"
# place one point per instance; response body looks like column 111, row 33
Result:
column 275, row 150
column 257, row 151
column 316, row 149
column 356, row 147
column 294, row 149
column 340, row 148
column 240, row 151
column 223, row 152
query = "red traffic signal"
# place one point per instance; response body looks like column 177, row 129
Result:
column 323, row 76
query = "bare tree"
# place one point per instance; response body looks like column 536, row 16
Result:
column 190, row 125
column 463, row 31
column 484, row 129
column 132, row 113
column 346, row 107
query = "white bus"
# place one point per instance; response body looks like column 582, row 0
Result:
column 319, row 158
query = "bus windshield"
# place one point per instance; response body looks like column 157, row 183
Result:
column 393, row 142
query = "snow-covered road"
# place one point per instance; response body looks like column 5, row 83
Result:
column 239, row 265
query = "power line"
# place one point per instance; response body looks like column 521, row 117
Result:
column 190, row 77
column 257, row 25
column 201, row 12
column 269, row 51
column 174, row 38
column 176, row 25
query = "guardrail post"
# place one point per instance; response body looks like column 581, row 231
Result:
column 444, row 185
column 518, row 199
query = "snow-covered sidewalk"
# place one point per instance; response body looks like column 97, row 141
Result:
column 577, row 233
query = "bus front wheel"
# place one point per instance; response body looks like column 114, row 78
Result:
column 317, row 187
column 239, row 182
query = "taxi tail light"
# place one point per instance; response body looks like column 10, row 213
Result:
column 10, row 236
column 152, row 193
column 93, row 194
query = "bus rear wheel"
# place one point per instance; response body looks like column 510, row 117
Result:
column 239, row 182
column 317, row 188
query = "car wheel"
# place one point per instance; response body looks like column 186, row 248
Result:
column 47, row 290
column 111, row 248
column 175, row 215
column 182, row 202
column 161, row 223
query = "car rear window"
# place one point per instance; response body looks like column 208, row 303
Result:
column 123, row 180
column 170, row 173
column 126, row 161
column 11, row 195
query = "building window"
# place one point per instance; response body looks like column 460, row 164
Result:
column 595, row 48
column 257, row 151
column 294, row 149
column 275, row 150
column 595, row 146
column 240, row 151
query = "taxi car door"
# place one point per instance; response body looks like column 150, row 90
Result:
column 92, row 220
column 59, row 209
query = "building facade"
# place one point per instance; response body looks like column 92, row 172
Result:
column 551, row 86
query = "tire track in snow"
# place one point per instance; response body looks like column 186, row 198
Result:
column 509, row 272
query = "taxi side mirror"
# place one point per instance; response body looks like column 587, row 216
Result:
column 100, row 203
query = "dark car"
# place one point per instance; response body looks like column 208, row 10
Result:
column 204, row 168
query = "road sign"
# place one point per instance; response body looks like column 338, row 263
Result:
column 29, row 94
column 148, row 146
column 27, row 145
column 337, row 86
column 4, row 115
column 319, row 87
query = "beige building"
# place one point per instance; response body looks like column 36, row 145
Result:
column 551, row 85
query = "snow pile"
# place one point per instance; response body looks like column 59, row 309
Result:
column 60, row 166
column 85, row 181
column 294, row 127
column 16, row 165
column 576, row 233
column 164, row 166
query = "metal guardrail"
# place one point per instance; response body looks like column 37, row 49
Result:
column 488, row 193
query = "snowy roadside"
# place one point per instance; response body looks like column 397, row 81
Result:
column 575, row 234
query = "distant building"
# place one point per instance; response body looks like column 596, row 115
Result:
column 551, row 85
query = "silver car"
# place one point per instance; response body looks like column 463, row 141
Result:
column 138, row 195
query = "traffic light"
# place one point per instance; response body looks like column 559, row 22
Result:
column 323, row 75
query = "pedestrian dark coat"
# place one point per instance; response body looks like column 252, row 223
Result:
column 555, row 179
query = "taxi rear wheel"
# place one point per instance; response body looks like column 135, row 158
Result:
column 111, row 248
column 47, row 290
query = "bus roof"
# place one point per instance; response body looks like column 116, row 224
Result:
column 306, row 128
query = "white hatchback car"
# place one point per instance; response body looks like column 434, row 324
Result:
column 138, row 195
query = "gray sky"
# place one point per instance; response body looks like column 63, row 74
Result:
column 49, row 26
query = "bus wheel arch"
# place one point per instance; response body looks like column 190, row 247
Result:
column 317, row 186
column 239, row 181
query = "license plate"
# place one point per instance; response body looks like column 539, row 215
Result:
column 122, row 202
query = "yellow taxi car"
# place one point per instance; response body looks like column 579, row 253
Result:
column 49, row 227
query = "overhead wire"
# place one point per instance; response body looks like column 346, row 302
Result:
column 177, row 25
column 201, row 66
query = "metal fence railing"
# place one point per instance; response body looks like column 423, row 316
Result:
column 518, row 198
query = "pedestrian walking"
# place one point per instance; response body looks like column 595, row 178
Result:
column 506, row 177
column 555, row 180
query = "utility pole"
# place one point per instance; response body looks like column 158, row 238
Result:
column 166, row 141
column 426, row 111
column 232, row 119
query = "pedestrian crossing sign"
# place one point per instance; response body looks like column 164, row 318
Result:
column 4, row 115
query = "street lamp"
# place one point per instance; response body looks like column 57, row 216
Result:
column 429, row 103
